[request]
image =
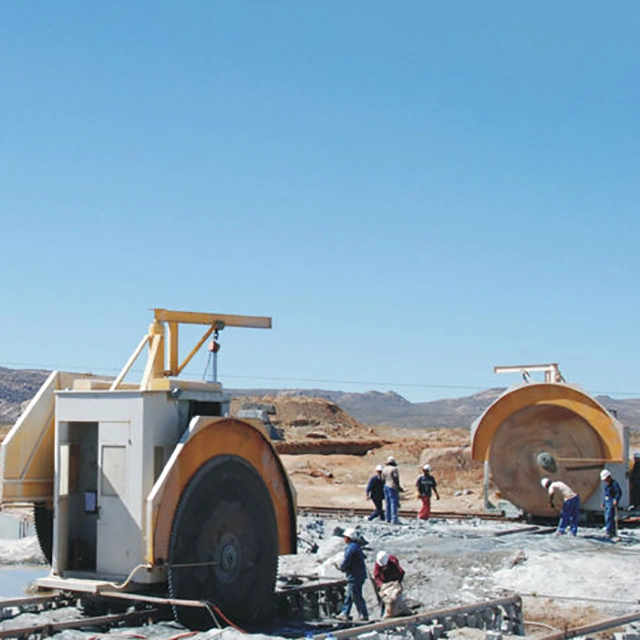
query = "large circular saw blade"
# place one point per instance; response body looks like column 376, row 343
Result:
column 224, row 545
column 544, row 441
column 43, row 519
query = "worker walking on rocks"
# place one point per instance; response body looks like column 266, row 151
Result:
column 570, row 508
column 375, row 493
column 392, row 489
column 356, row 571
column 612, row 496
column 388, row 576
column 426, row 485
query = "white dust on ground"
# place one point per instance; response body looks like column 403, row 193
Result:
column 564, row 581
column 25, row 551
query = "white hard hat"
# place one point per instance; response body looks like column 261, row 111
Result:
column 636, row 454
column 545, row 482
column 382, row 558
column 349, row 533
column 604, row 474
column 379, row 467
column 426, row 467
column 390, row 460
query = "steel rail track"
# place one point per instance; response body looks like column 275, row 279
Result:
column 409, row 514
column 29, row 603
column 501, row 614
column 46, row 628
column 602, row 625
column 297, row 598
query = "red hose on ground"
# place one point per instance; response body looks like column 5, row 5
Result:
column 237, row 628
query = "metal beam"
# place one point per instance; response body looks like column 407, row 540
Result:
column 551, row 370
column 608, row 623
column 217, row 320
column 428, row 616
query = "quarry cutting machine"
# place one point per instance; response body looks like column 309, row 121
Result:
column 549, row 429
column 151, row 486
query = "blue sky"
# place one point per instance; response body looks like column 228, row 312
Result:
column 414, row 191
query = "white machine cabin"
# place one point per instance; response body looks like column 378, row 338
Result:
column 111, row 447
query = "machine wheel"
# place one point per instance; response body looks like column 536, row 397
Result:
column 43, row 519
column 544, row 441
column 224, row 545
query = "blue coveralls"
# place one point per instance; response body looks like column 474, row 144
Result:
column 569, row 515
column 612, row 495
column 356, row 571
column 375, row 491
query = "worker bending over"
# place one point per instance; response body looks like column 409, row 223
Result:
column 388, row 576
column 570, row 507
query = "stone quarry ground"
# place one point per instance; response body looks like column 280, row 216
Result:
column 325, row 473
column 564, row 582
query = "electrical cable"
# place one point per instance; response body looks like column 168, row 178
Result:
column 281, row 379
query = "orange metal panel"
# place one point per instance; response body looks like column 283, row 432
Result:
column 215, row 437
column 554, row 394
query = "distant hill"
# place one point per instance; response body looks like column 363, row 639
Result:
column 390, row 408
column 18, row 386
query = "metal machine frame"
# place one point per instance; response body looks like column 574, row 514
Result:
column 108, row 465
column 542, row 429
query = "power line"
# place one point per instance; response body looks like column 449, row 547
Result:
column 418, row 385
column 280, row 379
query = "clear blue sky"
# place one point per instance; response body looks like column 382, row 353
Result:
column 414, row 191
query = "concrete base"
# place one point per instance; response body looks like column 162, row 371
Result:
column 73, row 584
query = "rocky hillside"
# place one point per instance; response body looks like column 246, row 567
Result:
column 17, row 387
column 376, row 408
column 390, row 408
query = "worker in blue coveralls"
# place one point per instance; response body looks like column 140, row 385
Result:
column 375, row 493
column 356, row 571
column 612, row 496
column 570, row 508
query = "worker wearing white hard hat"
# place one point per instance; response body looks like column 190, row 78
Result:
column 610, row 501
column 375, row 493
column 388, row 576
column 350, row 533
column 392, row 490
column 563, row 497
column 356, row 571
column 425, row 486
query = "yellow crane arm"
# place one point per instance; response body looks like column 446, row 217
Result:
column 156, row 367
